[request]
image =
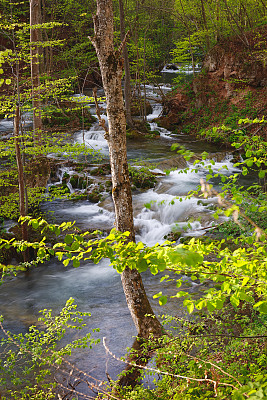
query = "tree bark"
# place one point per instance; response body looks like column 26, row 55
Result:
column 35, row 71
column 22, row 205
column 203, row 12
column 111, row 66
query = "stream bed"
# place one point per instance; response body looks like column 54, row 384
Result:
column 97, row 288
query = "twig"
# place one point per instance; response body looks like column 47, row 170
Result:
column 188, row 379
column 102, row 122
column 62, row 370
column 215, row 366
column 207, row 191
column 123, row 42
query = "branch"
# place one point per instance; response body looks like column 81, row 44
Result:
column 215, row 366
column 123, row 43
column 91, row 385
column 187, row 378
column 208, row 191
column 102, row 122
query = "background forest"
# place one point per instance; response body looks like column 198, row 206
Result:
column 205, row 126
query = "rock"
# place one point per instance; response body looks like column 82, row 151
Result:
column 169, row 122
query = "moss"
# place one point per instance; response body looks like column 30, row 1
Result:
column 108, row 184
column 95, row 196
column 78, row 196
column 104, row 169
column 79, row 182
column 142, row 177
column 59, row 190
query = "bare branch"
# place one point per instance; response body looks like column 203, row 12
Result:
column 158, row 371
column 102, row 122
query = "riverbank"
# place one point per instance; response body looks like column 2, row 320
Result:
column 232, row 85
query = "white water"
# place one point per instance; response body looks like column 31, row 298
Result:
column 167, row 208
column 181, row 69
column 97, row 288
column 94, row 137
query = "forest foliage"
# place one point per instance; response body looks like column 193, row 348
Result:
column 221, row 351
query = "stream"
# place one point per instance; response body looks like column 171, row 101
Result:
column 97, row 288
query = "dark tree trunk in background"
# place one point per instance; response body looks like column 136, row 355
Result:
column 127, row 76
column 35, row 70
column 22, row 202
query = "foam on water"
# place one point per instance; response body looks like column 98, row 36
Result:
column 164, row 133
column 91, row 213
column 163, row 213
column 156, row 111
column 182, row 69
column 94, row 138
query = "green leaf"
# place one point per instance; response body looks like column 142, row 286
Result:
column 76, row 263
column 66, row 262
column 245, row 280
column 75, row 246
column 190, row 308
column 261, row 306
column 35, row 224
column 157, row 295
column 234, row 300
column 159, row 263
column 244, row 296
column 249, row 162
column 8, row 81
column 180, row 255
column 163, row 300
column 210, row 306
column 68, row 239
column 201, row 304
column 41, row 253
column 262, row 174
column 142, row 265
column 153, row 270
column 175, row 146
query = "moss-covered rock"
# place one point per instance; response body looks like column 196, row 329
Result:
column 59, row 190
column 95, row 196
column 79, row 182
column 103, row 169
column 142, row 177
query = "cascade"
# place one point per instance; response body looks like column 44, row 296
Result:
column 97, row 288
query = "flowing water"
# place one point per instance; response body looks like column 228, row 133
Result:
column 97, row 288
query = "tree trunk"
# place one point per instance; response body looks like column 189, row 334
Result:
column 22, row 206
column 35, row 72
column 111, row 66
column 189, row 38
column 203, row 12
column 127, row 76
